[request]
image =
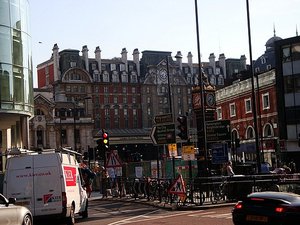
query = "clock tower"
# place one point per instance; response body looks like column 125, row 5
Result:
column 204, row 105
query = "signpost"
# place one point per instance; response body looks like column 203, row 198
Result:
column 164, row 118
column 218, row 131
column 163, row 134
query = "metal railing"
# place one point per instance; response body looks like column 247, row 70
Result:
column 205, row 190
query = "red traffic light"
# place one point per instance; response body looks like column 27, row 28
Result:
column 104, row 135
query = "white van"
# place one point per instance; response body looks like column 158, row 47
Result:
column 49, row 183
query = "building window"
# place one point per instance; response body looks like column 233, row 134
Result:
column 147, row 90
column 115, row 77
column 268, row 130
column 72, row 64
column 149, row 111
column 113, row 67
column 125, row 99
column 133, row 78
column 248, row 107
column 220, row 80
column 134, row 113
column 263, row 60
column 106, row 100
column 116, row 110
column 219, row 113
column 124, row 77
column 286, row 54
column 115, row 99
column 105, row 77
column 105, row 89
column 133, row 100
column 124, row 90
column 122, row 67
column 269, row 67
column 163, row 89
column 178, row 90
column 125, row 112
column 266, row 101
column 165, row 100
column 106, row 111
column 148, row 100
column 133, row 90
column 232, row 109
column 213, row 79
column 250, row 133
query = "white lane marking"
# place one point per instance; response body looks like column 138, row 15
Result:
column 118, row 212
column 147, row 218
column 202, row 214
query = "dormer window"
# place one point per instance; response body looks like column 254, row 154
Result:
column 263, row 60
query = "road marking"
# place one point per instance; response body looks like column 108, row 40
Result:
column 202, row 214
column 118, row 212
column 147, row 217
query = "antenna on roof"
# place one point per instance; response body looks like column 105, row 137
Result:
column 274, row 30
column 296, row 30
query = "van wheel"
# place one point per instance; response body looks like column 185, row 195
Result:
column 85, row 212
column 27, row 220
column 71, row 218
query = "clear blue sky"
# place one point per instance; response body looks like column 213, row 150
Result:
column 163, row 25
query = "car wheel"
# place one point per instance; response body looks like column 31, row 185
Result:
column 85, row 212
column 27, row 220
column 71, row 218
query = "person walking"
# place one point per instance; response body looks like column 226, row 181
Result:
column 229, row 169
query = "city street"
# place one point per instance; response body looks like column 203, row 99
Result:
column 103, row 212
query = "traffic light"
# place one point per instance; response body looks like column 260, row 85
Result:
column 105, row 140
column 182, row 127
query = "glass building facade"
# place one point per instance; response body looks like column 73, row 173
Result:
column 16, row 81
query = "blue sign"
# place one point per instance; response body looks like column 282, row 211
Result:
column 219, row 153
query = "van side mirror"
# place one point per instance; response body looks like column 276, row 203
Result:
column 12, row 201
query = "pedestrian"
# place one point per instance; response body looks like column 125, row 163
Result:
column 229, row 169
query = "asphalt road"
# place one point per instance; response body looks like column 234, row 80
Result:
column 107, row 212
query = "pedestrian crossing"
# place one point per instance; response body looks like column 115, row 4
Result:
column 212, row 214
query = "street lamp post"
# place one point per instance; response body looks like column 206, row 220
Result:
column 258, row 160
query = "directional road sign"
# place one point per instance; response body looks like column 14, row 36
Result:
column 218, row 131
column 163, row 134
column 164, row 118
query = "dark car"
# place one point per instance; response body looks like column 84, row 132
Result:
column 276, row 208
column 11, row 214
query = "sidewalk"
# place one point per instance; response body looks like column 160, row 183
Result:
column 96, row 196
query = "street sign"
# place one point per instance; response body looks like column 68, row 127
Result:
column 188, row 152
column 172, row 149
column 163, row 134
column 219, row 153
column 218, row 130
column 164, row 118
column 113, row 160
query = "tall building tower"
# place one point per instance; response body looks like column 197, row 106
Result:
column 16, row 82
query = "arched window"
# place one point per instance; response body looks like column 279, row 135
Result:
column 268, row 130
column 234, row 134
column 250, row 133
